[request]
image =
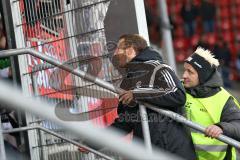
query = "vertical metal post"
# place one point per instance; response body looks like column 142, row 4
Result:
column 166, row 33
column 2, row 148
column 141, row 19
column 35, row 92
column 11, row 43
column 142, row 30
column 145, row 127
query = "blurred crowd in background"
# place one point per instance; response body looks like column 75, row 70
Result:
column 214, row 25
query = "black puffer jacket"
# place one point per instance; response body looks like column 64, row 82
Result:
column 155, row 83
column 230, row 117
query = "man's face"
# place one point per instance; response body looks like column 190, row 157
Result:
column 190, row 76
column 123, row 55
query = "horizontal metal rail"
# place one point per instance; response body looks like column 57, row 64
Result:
column 105, row 137
column 109, row 86
column 64, row 66
column 193, row 125
column 58, row 136
column 79, row 73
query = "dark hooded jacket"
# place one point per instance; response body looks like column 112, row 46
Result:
column 230, row 117
column 156, row 83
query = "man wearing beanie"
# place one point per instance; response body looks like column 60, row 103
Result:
column 210, row 105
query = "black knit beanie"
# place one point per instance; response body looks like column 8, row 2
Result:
column 204, row 69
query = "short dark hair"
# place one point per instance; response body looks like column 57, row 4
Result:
column 134, row 40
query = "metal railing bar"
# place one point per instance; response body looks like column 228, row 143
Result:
column 78, row 72
column 58, row 136
column 44, row 66
column 145, row 127
column 68, row 37
column 61, row 13
column 66, row 90
column 198, row 127
column 84, row 75
column 109, row 86
column 108, row 138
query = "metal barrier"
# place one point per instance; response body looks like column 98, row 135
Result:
column 72, row 31
column 53, row 21
column 109, row 138
column 58, row 136
column 83, row 75
column 115, row 89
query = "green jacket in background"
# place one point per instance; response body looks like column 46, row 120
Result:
column 4, row 63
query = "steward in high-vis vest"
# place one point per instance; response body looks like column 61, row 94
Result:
column 211, row 106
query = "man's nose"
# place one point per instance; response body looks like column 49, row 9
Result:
column 184, row 75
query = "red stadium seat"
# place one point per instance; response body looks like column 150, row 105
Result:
column 180, row 55
column 233, row 49
column 180, row 43
column 237, row 24
column 152, row 3
column 237, row 36
column 233, row 11
column 168, row 2
column 228, row 36
column 179, row 32
column 223, row 3
column 226, row 24
column 195, row 39
column 225, row 12
column 237, row 10
column 237, row 2
column 211, row 39
column 176, row 9
column 178, row 20
column 197, row 2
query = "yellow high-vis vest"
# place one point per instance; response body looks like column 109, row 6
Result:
column 207, row 111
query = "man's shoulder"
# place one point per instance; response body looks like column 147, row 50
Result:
column 157, row 63
column 152, row 66
column 153, row 62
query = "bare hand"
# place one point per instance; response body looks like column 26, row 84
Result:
column 213, row 131
column 126, row 97
column 83, row 150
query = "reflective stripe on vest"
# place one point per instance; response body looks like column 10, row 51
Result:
column 207, row 111
column 211, row 148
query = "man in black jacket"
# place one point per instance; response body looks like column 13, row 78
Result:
column 149, row 80
column 210, row 105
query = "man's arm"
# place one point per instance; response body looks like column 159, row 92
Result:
column 124, row 121
column 167, row 91
column 230, row 120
